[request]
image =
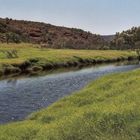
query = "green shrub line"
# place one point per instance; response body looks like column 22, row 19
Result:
column 36, row 65
column 106, row 109
column 30, row 58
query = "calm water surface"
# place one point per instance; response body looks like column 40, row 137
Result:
column 21, row 96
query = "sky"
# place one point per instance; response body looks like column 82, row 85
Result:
column 97, row 16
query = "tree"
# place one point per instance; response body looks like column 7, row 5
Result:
column 12, row 37
column 15, row 38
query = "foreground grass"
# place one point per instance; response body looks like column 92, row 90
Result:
column 32, row 58
column 107, row 109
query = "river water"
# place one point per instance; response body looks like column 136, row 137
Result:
column 21, row 96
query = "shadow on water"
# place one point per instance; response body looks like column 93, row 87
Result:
column 22, row 95
column 14, row 77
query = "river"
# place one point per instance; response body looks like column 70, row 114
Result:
column 21, row 96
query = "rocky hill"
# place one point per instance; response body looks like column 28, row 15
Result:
column 49, row 35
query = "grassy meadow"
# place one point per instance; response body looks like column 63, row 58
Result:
column 31, row 58
column 107, row 109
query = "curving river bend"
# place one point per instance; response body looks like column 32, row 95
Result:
column 21, row 96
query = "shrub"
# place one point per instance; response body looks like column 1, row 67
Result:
column 138, row 53
column 23, row 66
column 2, row 28
column 37, row 68
column 10, row 69
column 10, row 53
column 12, row 37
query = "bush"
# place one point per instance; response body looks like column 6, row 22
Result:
column 10, row 53
column 37, row 68
column 23, row 66
column 12, row 37
column 2, row 28
column 10, row 70
column 138, row 53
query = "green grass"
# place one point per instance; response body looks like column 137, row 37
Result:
column 45, row 58
column 107, row 109
column 27, row 51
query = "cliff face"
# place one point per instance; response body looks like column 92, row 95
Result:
column 50, row 35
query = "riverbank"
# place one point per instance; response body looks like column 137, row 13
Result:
column 29, row 58
column 108, row 108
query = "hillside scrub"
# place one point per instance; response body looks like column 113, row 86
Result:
column 16, row 31
column 107, row 109
column 28, row 58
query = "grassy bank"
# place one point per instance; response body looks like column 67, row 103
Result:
column 107, row 109
column 29, row 58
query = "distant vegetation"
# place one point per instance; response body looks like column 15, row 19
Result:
column 107, row 109
column 48, row 35
column 129, row 39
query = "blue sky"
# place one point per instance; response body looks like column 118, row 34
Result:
column 97, row 16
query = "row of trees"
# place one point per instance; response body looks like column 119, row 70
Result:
column 129, row 39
